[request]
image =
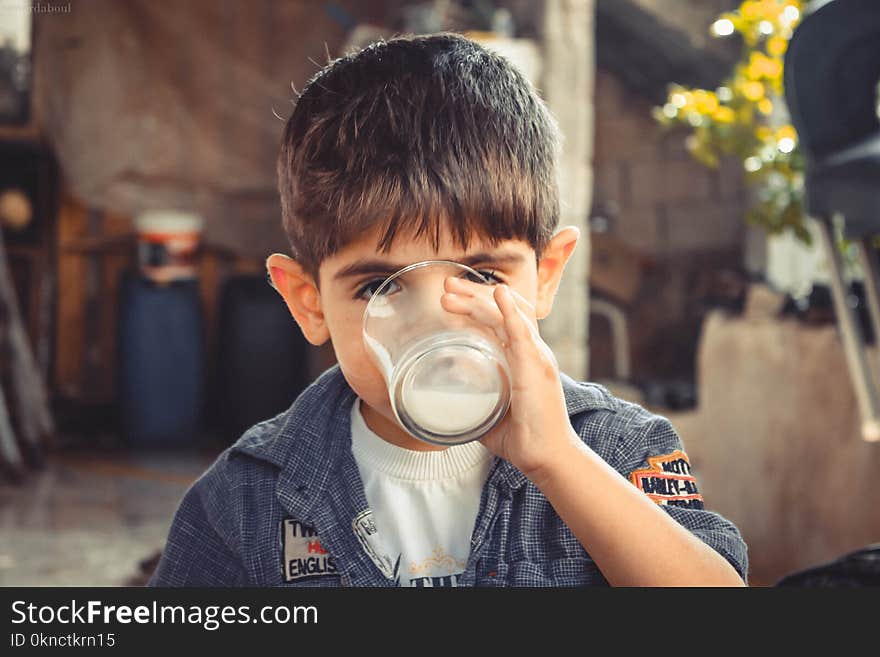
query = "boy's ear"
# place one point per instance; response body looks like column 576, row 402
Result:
column 301, row 295
column 551, row 266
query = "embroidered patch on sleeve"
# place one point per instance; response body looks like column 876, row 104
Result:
column 304, row 556
column 668, row 480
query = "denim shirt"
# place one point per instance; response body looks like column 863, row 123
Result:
column 285, row 505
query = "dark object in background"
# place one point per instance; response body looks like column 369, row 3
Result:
column 724, row 289
column 27, row 204
column 15, row 70
column 616, row 268
column 859, row 568
column 858, row 298
column 262, row 362
column 145, row 569
column 161, row 361
column 29, row 177
column 673, row 395
column 831, row 70
column 818, row 308
column 832, row 65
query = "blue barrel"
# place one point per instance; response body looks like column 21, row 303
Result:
column 161, row 361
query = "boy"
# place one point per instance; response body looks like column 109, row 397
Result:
column 432, row 148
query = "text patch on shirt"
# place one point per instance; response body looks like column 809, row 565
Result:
column 668, row 480
column 304, row 556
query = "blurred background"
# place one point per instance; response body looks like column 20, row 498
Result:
column 139, row 337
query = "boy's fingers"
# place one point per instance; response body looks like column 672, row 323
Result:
column 526, row 312
column 522, row 302
column 526, row 309
column 480, row 303
column 523, row 332
column 520, row 308
column 481, row 310
column 464, row 286
column 461, row 286
column 515, row 323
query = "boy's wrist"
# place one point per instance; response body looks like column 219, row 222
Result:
column 558, row 459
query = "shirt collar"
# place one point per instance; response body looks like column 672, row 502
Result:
column 307, row 440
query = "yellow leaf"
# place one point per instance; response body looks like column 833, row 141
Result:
column 750, row 10
column 752, row 90
column 786, row 131
column 777, row 46
column 724, row 115
column 705, row 102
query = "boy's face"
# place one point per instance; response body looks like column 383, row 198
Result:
column 336, row 312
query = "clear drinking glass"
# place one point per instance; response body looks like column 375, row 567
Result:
column 448, row 379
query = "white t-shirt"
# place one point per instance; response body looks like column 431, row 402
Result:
column 424, row 504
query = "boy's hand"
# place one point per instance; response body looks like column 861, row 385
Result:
column 536, row 428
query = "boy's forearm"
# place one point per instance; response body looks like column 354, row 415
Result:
column 632, row 540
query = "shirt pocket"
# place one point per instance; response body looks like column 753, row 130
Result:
column 562, row 572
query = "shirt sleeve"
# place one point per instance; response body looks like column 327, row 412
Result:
column 652, row 457
column 195, row 554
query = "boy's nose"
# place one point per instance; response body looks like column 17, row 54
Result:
column 426, row 291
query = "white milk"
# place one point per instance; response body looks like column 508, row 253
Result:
column 449, row 411
column 381, row 354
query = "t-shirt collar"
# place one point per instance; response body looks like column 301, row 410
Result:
column 307, row 440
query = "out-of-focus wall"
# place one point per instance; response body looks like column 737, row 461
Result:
column 776, row 443
column 686, row 219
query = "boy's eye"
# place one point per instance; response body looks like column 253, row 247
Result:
column 485, row 272
column 368, row 289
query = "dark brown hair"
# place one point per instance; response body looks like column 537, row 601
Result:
column 408, row 133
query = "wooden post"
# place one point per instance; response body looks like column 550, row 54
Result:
column 863, row 382
column 10, row 455
column 567, row 86
column 23, row 385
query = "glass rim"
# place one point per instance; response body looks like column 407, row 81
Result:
column 400, row 272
